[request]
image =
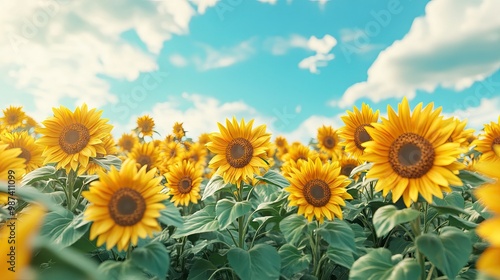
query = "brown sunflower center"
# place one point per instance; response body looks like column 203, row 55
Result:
column 74, row 138
column 411, row 155
column 128, row 144
column 25, row 154
column 185, row 185
column 239, row 152
column 317, row 193
column 144, row 160
column 495, row 141
column 12, row 119
column 361, row 136
column 127, row 207
column 347, row 169
column 329, row 142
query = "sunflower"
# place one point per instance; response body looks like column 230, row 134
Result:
column 488, row 143
column 204, row 138
column 110, row 147
column 239, row 150
column 354, row 132
column 183, row 181
column 31, row 151
column 329, row 141
column 11, row 164
column 460, row 134
column 27, row 225
column 281, row 146
column 298, row 152
column 411, row 154
column 318, row 190
column 30, row 123
column 146, row 154
column 171, row 152
column 145, row 125
column 178, row 130
column 13, row 117
column 127, row 142
column 197, row 154
column 347, row 164
column 71, row 138
column 124, row 205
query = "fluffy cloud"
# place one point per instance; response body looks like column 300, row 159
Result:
column 486, row 112
column 309, row 128
column 178, row 60
column 281, row 45
column 272, row 2
column 224, row 57
column 322, row 47
column 452, row 50
column 204, row 4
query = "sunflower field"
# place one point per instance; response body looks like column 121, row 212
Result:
column 413, row 195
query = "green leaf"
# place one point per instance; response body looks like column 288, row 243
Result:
column 228, row 211
column 63, row 228
column 341, row 257
column 215, row 184
column 293, row 228
column 449, row 251
column 338, row 234
column 201, row 270
column 472, row 178
column 452, row 203
column 292, row 260
column 170, row 215
column 32, row 195
column 153, row 258
column 58, row 197
column 378, row 264
column 121, row 270
column 275, row 178
column 387, row 217
column 42, row 173
column 259, row 263
column 202, row 221
column 108, row 161
column 458, row 222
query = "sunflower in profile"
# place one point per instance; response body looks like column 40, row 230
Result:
column 411, row 154
column 204, row 138
column 31, row 151
column 239, row 150
column 124, row 205
column 460, row 134
column 110, row 147
column 178, row 130
column 354, row 132
column 347, row 164
column 11, row 164
column 318, row 190
column 488, row 143
column 127, row 142
column 145, row 125
column 329, row 141
column 183, row 181
column 146, row 154
column 72, row 138
column 13, row 117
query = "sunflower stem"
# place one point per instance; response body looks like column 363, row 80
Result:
column 129, row 251
column 241, row 233
column 415, row 226
column 70, row 185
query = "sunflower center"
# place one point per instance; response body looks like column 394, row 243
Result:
column 495, row 141
column 347, row 169
column 127, row 207
column 74, row 138
column 12, row 119
column 317, row 193
column 239, row 152
column 411, row 155
column 144, row 160
column 329, row 142
column 25, row 154
column 361, row 136
column 185, row 185
column 128, row 145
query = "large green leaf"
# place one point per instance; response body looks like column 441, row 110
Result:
column 202, row 221
column 341, row 257
column 452, row 203
column 170, row 215
column 108, row 161
column 32, row 195
column 227, row 211
column 201, row 270
column 293, row 260
column 126, row 270
column 42, row 173
column 449, row 251
column 294, row 228
column 378, row 264
column 215, row 184
column 63, row 228
column 338, row 234
column 472, row 178
column 153, row 258
column 275, row 178
column 259, row 263
column 387, row 217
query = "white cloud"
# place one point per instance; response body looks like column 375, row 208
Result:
column 178, row 60
column 281, row 45
column 272, row 2
column 486, row 112
column 452, row 50
column 224, row 57
column 204, row 4
column 322, row 47
column 357, row 41
column 309, row 128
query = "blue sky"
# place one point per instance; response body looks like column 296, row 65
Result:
column 293, row 65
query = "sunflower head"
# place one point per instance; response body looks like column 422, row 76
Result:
column 183, row 181
column 197, row 154
column 11, row 164
column 460, row 134
column 354, row 132
column 127, row 142
column 298, row 152
column 124, row 205
column 110, row 147
column 13, row 117
column 146, row 154
column 145, row 125
column 178, row 130
column 411, row 154
column 239, row 150
column 488, row 143
column 328, row 141
column 31, row 151
column 204, row 138
column 318, row 190
column 347, row 164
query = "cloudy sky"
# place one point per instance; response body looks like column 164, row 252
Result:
column 291, row 64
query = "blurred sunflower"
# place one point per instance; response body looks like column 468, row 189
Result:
column 411, row 154
column 13, row 117
column 31, row 151
column 10, row 161
column 298, row 152
column 318, row 190
column 197, row 154
column 329, row 141
column 183, row 181
column 127, row 142
column 488, row 143
column 72, row 138
column 281, row 146
column 239, row 150
column 124, row 205
column 460, row 134
column 354, row 132
column 178, row 130
column 146, row 154
column 204, row 138
column 110, row 147
column 347, row 164
column 145, row 125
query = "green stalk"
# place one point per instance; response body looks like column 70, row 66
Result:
column 70, row 185
column 415, row 226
